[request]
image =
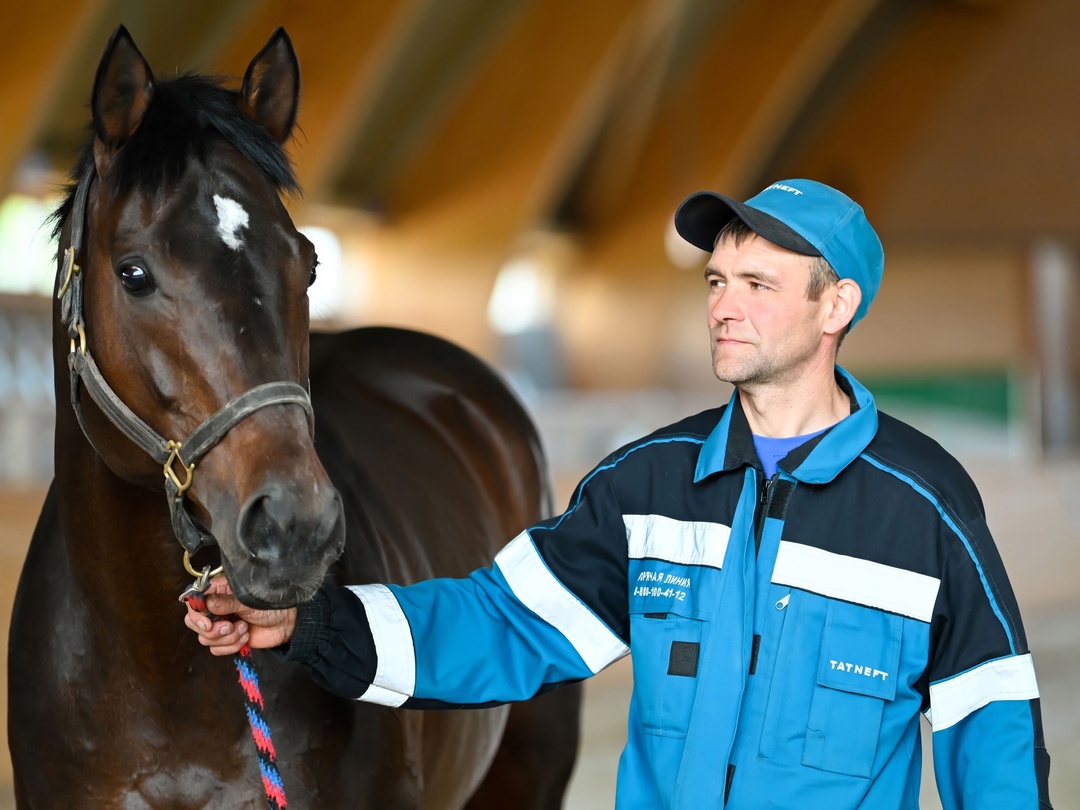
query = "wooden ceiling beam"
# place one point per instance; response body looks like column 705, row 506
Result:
column 795, row 75
column 723, row 118
column 418, row 71
column 656, row 46
column 871, row 120
column 503, row 153
column 728, row 80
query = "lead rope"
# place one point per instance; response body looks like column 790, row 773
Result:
column 195, row 596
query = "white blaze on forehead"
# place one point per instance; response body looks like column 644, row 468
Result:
column 231, row 218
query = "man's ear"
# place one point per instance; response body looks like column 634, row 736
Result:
column 845, row 299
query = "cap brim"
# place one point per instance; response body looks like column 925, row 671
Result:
column 701, row 216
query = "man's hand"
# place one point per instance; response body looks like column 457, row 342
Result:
column 257, row 628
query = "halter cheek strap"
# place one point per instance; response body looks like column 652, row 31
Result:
column 84, row 371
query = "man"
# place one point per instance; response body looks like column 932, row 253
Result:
column 796, row 575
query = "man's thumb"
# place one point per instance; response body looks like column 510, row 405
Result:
column 221, row 604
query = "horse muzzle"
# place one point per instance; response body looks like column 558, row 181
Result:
column 284, row 545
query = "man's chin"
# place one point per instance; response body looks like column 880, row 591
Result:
column 741, row 378
column 725, row 378
column 730, row 372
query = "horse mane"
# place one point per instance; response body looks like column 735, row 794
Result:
column 186, row 115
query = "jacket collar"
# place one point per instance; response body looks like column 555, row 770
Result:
column 731, row 444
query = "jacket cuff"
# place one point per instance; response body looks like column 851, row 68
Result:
column 312, row 631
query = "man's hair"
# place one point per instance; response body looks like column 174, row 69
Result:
column 822, row 274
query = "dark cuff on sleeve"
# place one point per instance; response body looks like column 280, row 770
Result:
column 312, row 632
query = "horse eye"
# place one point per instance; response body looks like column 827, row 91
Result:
column 314, row 273
column 134, row 278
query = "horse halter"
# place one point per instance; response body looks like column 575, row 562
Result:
column 166, row 452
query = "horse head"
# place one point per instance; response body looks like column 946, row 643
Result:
column 193, row 299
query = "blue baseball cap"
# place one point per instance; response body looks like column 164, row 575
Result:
column 803, row 216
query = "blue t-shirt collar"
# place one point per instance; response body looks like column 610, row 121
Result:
column 771, row 449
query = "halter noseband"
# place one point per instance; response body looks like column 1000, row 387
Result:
column 165, row 452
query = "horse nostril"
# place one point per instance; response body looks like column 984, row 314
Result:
column 266, row 524
column 275, row 523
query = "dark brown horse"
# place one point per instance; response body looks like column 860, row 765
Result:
column 182, row 329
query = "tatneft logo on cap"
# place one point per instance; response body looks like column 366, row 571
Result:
column 782, row 187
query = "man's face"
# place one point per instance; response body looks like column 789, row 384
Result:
column 763, row 329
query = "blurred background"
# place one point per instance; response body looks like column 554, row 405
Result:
column 504, row 172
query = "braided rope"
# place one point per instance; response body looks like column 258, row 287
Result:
column 253, row 706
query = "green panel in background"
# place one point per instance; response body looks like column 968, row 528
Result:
column 988, row 393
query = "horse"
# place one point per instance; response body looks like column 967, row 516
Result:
column 288, row 457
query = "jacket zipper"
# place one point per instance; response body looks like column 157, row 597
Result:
column 762, row 510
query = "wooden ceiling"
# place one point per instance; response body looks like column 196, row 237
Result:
column 593, row 106
column 466, row 125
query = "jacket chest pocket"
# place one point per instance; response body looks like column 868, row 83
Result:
column 834, row 672
column 856, row 677
column 665, row 649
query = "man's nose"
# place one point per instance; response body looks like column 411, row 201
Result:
column 725, row 306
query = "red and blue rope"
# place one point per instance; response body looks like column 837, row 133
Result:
column 253, row 705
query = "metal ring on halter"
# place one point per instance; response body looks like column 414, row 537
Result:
column 206, row 572
column 82, row 340
column 72, row 268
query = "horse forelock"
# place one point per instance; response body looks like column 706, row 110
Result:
column 186, row 117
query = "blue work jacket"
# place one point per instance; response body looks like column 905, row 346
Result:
column 786, row 634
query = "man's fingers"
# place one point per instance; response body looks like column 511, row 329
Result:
column 222, row 647
column 196, row 621
column 221, row 633
column 224, row 638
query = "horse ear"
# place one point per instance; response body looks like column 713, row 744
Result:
column 122, row 91
column 271, row 91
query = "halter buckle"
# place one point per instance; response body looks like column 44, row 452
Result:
column 181, row 486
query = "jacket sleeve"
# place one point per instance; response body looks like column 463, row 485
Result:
column 983, row 696
column 548, row 611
